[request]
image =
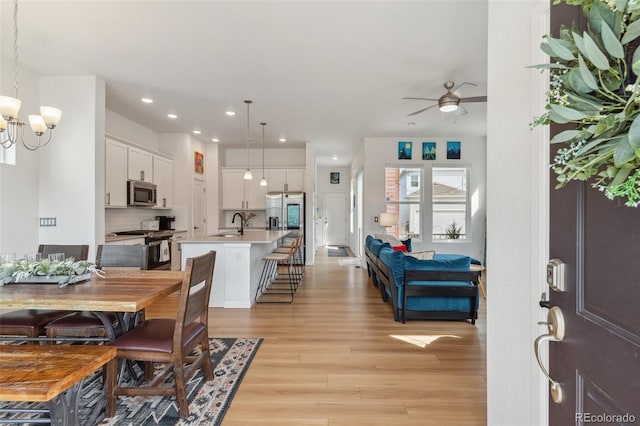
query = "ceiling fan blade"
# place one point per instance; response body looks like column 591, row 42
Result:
column 421, row 99
column 421, row 110
column 474, row 99
column 462, row 84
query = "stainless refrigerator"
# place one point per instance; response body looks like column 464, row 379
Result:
column 285, row 211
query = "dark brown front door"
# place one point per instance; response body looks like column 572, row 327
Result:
column 597, row 363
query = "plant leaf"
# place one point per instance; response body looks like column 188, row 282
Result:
column 586, row 75
column 621, row 4
column 574, row 81
column 623, row 152
column 594, row 54
column 634, row 133
column 568, row 113
column 557, row 118
column 635, row 62
column 549, row 66
column 611, row 42
column 579, row 41
column 544, row 46
column 632, row 32
column 621, row 176
column 590, row 146
column 559, row 49
column 565, row 136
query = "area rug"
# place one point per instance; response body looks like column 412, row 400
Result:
column 337, row 251
column 208, row 401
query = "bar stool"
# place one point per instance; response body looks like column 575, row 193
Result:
column 271, row 280
column 297, row 263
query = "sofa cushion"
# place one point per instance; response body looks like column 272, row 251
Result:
column 447, row 256
column 376, row 246
column 386, row 238
column 407, row 243
column 423, row 255
column 451, row 262
column 395, row 261
column 367, row 241
column 401, row 248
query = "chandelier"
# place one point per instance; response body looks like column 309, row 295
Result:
column 11, row 127
column 247, row 173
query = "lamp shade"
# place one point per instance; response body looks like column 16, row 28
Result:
column 9, row 106
column 50, row 115
column 388, row 219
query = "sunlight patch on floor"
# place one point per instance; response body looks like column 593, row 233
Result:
column 422, row 341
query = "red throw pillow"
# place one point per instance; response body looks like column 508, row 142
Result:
column 401, row 247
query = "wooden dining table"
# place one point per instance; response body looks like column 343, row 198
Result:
column 120, row 290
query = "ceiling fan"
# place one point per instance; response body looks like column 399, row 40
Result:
column 450, row 102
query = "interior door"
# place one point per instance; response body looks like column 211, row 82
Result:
column 596, row 364
column 335, row 218
column 199, row 214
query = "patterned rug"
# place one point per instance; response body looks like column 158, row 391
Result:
column 208, row 401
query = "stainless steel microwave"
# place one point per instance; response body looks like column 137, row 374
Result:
column 141, row 193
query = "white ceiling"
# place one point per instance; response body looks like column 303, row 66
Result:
column 325, row 72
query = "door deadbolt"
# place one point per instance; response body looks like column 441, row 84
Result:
column 555, row 324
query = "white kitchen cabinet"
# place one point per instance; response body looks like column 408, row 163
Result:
column 279, row 180
column 140, row 164
column 163, row 178
column 295, row 179
column 240, row 194
column 116, row 174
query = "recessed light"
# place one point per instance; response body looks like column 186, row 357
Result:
column 197, row 132
column 335, row 157
column 411, row 123
column 283, row 139
column 147, row 100
column 230, row 113
column 215, row 140
column 172, row 116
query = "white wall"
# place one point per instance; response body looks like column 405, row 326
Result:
column 19, row 191
column 130, row 131
column 382, row 152
column 273, row 157
column 515, row 214
column 69, row 187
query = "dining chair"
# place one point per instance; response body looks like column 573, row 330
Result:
column 31, row 322
column 87, row 324
column 78, row 252
column 171, row 342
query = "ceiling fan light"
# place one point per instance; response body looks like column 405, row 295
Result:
column 448, row 106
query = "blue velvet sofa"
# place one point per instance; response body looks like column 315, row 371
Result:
column 440, row 288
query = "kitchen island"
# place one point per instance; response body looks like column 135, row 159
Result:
column 238, row 263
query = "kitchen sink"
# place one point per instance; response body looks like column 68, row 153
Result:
column 227, row 235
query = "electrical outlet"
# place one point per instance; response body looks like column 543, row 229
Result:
column 47, row 221
column 375, row 219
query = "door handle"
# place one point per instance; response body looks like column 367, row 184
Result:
column 555, row 324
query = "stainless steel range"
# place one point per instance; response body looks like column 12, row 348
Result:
column 159, row 243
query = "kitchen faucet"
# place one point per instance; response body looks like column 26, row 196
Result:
column 241, row 228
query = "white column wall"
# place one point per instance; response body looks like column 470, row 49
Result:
column 515, row 215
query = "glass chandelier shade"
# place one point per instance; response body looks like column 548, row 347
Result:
column 247, row 173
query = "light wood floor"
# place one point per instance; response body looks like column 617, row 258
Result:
column 335, row 357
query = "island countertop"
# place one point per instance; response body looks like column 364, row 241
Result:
column 250, row 236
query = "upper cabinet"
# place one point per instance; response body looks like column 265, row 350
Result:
column 163, row 178
column 240, row 194
column 140, row 164
column 126, row 162
column 116, row 176
column 279, row 180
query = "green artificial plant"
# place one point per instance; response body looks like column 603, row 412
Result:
column 595, row 87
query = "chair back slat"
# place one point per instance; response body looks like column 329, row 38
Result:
column 78, row 252
column 195, row 291
column 123, row 256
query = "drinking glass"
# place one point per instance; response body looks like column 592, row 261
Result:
column 7, row 257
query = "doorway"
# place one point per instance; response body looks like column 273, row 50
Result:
column 334, row 226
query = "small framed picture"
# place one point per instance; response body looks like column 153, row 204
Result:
column 428, row 150
column 454, row 150
column 198, row 163
column 404, row 150
column 334, row 177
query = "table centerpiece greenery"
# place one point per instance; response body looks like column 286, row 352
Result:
column 64, row 272
column 595, row 88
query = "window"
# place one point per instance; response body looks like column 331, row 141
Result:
column 450, row 203
column 403, row 196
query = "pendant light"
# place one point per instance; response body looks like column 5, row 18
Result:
column 11, row 126
column 263, row 181
column 247, row 173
